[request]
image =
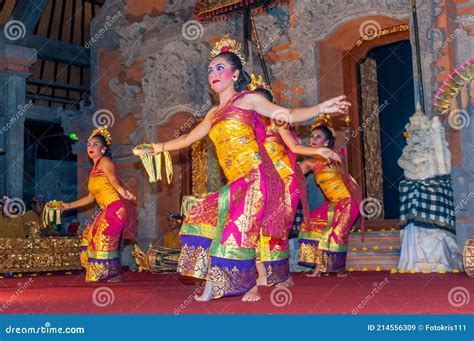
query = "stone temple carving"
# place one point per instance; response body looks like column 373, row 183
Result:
column 175, row 75
column 426, row 153
column 126, row 100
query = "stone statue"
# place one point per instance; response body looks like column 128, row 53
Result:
column 426, row 153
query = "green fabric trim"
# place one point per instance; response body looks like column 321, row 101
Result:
column 227, row 251
column 310, row 236
column 102, row 255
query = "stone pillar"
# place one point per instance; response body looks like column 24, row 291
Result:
column 15, row 62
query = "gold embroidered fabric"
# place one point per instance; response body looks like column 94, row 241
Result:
column 236, row 147
column 277, row 273
column 193, row 261
column 310, row 254
column 101, row 188
column 231, row 281
column 332, row 185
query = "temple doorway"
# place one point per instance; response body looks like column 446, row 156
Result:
column 386, row 100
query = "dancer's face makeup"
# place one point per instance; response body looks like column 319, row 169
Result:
column 219, row 74
column 94, row 148
column 317, row 139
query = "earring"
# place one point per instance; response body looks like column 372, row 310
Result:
column 103, row 151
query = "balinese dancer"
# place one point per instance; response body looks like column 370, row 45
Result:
column 323, row 242
column 273, row 256
column 219, row 235
column 101, row 239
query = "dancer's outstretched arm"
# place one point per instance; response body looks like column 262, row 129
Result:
column 297, row 148
column 201, row 130
column 84, row 201
column 258, row 103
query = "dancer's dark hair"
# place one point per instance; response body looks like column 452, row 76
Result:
column 235, row 64
column 327, row 134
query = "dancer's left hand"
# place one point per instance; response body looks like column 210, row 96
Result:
column 331, row 156
column 336, row 105
column 127, row 194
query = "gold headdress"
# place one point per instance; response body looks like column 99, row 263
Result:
column 102, row 131
column 258, row 83
column 227, row 44
column 323, row 120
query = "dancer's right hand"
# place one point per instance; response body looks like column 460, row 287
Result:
column 64, row 206
column 158, row 148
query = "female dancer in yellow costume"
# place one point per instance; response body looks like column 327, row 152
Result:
column 219, row 235
column 101, row 239
column 323, row 242
column 282, row 145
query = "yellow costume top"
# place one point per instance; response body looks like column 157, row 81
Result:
column 101, row 188
column 330, row 181
column 236, row 146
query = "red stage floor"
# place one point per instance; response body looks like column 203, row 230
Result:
column 144, row 293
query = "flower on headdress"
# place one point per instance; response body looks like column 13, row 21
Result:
column 104, row 133
column 227, row 44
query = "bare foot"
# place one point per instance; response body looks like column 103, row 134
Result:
column 115, row 279
column 252, row 295
column 262, row 275
column 288, row 283
column 315, row 273
column 207, row 293
column 342, row 274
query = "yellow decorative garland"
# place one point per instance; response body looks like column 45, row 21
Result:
column 152, row 163
column 51, row 213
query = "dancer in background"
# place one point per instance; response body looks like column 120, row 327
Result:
column 101, row 239
column 282, row 144
column 323, row 242
column 34, row 215
column 219, row 235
